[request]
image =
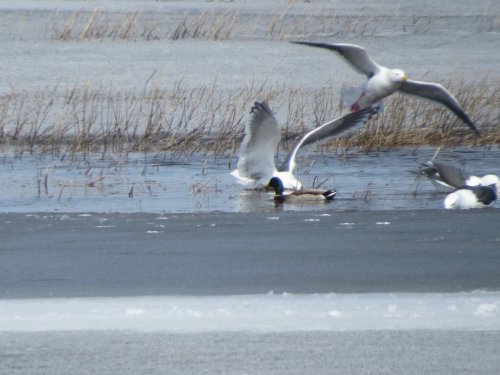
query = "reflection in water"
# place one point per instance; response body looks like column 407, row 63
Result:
column 364, row 181
column 251, row 200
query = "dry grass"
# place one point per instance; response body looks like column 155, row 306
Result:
column 222, row 24
column 64, row 121
column 96, row 25
column 133, row 26
column 209, row 25
column 82, row 119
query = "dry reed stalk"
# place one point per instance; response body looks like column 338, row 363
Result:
column 64, row 122
column 98, row 25
column 80, row 25
column 311, row 22
column 84, row 34
column 208, row 25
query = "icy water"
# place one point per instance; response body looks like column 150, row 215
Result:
column 269, row 313
column 164, row 183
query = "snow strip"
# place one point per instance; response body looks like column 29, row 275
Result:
column 270, row 312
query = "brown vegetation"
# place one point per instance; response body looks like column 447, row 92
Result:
column 61, row 121
column 83, row 119
column 229, row 24
column 136, row 25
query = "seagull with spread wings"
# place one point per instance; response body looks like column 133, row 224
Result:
column 256, row 157
column 383, row 81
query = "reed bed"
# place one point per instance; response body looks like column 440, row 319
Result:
column 222, row 24
column 140, row 26
column 64, row 121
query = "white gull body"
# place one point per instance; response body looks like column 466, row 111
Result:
column 383, row 82
column 256, row 164
column 471, row 197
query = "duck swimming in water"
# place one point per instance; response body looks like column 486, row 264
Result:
column 299, row 196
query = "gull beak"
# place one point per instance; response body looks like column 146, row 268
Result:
column 404, row 78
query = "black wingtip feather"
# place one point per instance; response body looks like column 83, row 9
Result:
column 330, row 194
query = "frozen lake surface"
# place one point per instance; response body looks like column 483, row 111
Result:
column 409, row 282
column 257, row 313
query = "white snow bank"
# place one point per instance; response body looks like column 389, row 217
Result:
column 263, row 313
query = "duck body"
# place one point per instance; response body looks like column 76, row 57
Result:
column 299, row 196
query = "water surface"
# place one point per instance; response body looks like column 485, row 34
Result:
column 165, row 183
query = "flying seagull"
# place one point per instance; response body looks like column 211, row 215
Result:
column 383, row 81
column 256, row 157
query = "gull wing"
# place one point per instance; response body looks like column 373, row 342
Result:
column 332, row 128
column 256, row 157
column 437, row 93
column 452, row 175
column 449, row 174
column 355, row 55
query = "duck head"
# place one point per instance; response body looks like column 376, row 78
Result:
column 277, row 185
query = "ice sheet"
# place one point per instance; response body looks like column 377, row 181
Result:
column 478, row 310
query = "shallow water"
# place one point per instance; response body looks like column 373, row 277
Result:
column 166, row 183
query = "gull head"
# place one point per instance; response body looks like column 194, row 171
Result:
column 397, row 75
